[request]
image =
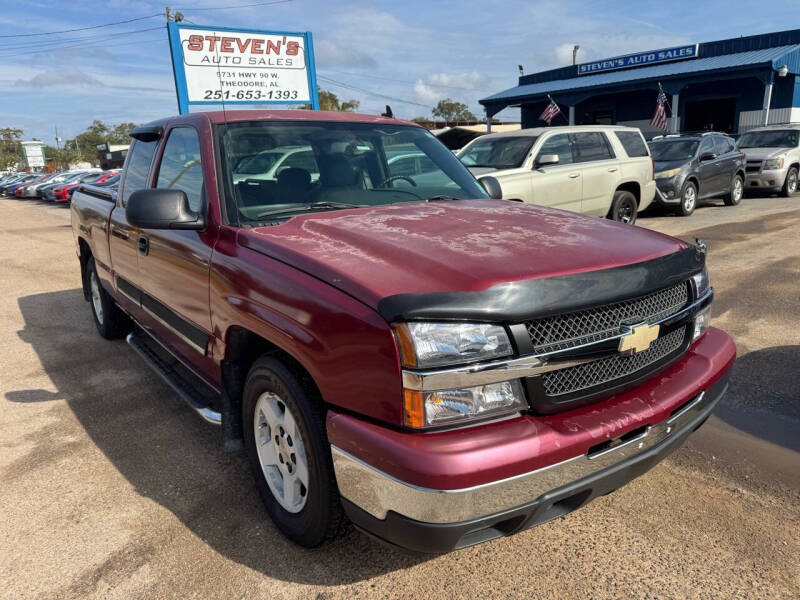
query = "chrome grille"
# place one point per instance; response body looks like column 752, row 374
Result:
column 565, row 331
column 753, row 166
column 616, row 366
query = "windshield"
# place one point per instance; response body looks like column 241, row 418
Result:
column 332, row 165
column 786, row 138
column 498, row 153
column 665, row 150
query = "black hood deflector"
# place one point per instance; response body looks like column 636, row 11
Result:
column 534, row 298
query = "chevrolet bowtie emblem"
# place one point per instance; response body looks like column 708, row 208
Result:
column 639, row 339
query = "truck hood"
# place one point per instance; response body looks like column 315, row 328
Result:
column 764, row 153
column 467, row 245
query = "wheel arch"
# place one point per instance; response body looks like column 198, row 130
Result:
column 632, row 187
column 84, row 254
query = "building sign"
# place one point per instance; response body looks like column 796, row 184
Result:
column 639, row 59
column 33, row 154
column 217, row 65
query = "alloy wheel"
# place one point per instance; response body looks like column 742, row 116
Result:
column 736, row 194
column 791, row 185
column 97, row 301
column 281, row 452
column 689, row 199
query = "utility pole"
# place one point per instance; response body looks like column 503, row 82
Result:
column 177, row 17
column 575, row 49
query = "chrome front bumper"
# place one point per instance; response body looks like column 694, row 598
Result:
column 378, row 493
column 772, row 179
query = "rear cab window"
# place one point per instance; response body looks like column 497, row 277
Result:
column 632, row 143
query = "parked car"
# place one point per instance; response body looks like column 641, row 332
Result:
column 436, row 366
column 48, row 192
column 773, row 158
column 11, row 188
column 268, row 164
column 63, row 193
column 31, row 189
column 693, row 167
column 599, row 170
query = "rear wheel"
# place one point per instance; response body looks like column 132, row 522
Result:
column 624, row 207
column 111, row 322
column 790, row 184
column 286, row 442
column 688, row 199
column 734, row 197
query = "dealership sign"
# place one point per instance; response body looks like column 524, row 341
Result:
column 33, row 154
column 639, row 59
column 217, row 65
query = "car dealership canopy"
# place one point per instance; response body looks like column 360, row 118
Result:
column 728, row 85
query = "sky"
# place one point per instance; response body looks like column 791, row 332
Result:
column 415, row 51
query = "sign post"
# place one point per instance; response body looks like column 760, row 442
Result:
column 219, row 65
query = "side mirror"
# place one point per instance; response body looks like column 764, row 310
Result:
column 162, row 208
column 546, row 159
column 492, row 187
column 707, row 156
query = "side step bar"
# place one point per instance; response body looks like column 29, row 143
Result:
column 174, row 374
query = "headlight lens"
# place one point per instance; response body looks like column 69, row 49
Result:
column 435, row 344
column 701, row 282
column 702, row 320
column 666, row 174
column 773, row 163
column 426, row 409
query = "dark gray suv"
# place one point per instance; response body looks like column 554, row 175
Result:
column 692, row 167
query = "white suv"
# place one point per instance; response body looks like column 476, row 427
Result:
column 600, row 170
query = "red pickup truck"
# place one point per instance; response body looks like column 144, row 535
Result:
column 392, row 347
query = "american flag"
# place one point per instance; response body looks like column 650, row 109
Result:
column 550, row 112
column 659, row 120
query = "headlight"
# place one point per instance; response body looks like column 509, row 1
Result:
column 701, row 282
column 667, row 174
column 435, row 344
column 702, row 321
column 773, row 163
column 440, row 407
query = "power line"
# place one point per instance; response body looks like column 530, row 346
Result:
column 80, row 45
column 233, row 7
column 102, row 36
column 16, row 35
column 370, row 92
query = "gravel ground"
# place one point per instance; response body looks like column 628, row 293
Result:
column 111, row 488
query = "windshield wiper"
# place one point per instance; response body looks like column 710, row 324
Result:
column 440, row 198
column 312, row 206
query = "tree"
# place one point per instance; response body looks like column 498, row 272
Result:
column 10, row 148
column 62, row 157
column 330, row 101
column 99, row 133
column 451, row 110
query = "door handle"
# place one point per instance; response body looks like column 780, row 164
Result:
column 612, row 169
column 122, row 234
column 574, row 175
column 144, row 245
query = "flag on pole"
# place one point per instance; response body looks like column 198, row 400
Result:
column 550, row 113
column 659, row 120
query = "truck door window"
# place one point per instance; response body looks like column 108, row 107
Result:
column 138, row 168
column 181, row 167
column 559, row 145
column 589, row 146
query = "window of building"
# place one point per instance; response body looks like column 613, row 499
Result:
column 632, row 142
column 138, row 168
column 181, row 168
column 590, row 146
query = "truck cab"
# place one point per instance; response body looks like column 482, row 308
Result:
column 396, row 350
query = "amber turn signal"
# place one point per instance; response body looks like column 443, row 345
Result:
column 408, row 356
column 413, row 409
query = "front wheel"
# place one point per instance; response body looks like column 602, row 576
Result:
column 790, row 184
column 624, row 207
column 286, row 442
column 688, row 199
column 734, row 197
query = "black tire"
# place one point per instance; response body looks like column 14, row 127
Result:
column 111, row 322
column 734, row 197
column 790, row 183
column 624, row 207
column 321, row 518
column 688, row 199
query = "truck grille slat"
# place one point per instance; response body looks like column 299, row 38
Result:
column 562, row 332
column 616, row 366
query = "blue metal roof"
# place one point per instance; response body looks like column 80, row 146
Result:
column 775, row 57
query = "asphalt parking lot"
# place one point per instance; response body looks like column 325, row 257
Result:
column 110, row 487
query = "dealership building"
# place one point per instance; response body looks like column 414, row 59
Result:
column 728, row 85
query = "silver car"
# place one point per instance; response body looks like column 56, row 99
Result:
column 773, row 158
